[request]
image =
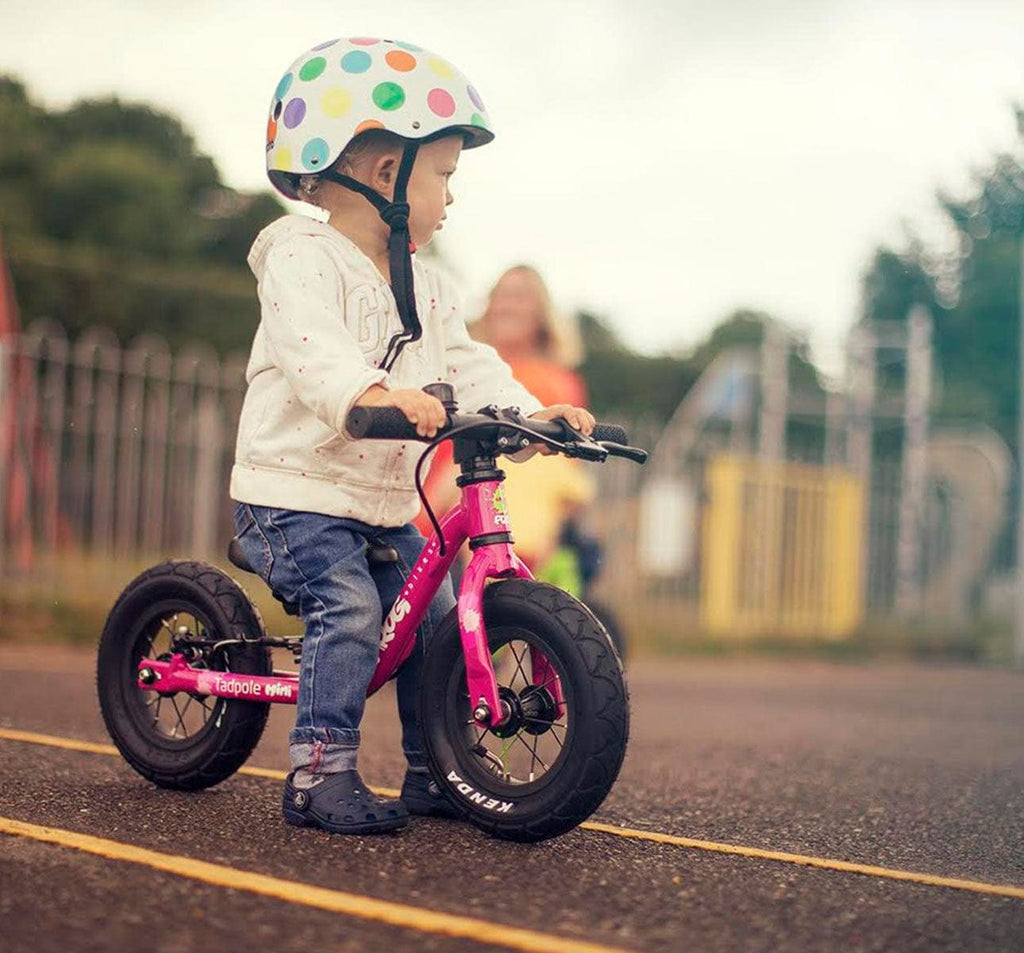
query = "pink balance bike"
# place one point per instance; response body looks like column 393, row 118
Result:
column 523, row 703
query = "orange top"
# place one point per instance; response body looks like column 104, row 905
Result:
column 550, row 383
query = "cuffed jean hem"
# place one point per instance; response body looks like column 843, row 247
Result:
column 323, row 757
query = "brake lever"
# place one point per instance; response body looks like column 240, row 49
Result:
column 636, row 454
column 586, row 451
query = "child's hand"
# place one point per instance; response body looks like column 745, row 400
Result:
column 426, row 412
column 578, row 417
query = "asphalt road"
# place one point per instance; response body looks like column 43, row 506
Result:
column 906, row 770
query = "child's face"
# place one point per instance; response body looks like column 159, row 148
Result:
column 428, row 191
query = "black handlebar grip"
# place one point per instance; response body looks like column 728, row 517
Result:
column 380, row 423
column 611, row 433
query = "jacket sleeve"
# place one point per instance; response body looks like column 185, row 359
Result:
column 479, row 376
column 302, row 310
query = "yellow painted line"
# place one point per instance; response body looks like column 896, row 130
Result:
column 931, row 880
column 756, row 853
column 71, row 744
column 309, row 895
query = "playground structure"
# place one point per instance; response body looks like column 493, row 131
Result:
column 746, row 528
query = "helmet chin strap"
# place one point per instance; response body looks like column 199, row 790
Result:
column 395, row 214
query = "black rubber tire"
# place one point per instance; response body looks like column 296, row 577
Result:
column 229, row 728
column 583, row 764
column 611, row 623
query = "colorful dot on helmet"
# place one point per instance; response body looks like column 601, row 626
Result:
column 441, row 103
column 323, row 46
column 367, row 124
column 440, row 67
column 475, row 97
column 315, row 154
column 283, row 86
column 336, row 102
column 388, row 96
column 282, row 159
column 409, row 46
column 311, row 69
column 364, row 41
column 356, row 61
column 294, row 113
column 401, row 61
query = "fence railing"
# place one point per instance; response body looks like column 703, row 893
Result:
column 124, row 454
column 110, row 450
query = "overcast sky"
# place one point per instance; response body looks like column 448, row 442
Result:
column 662, row 163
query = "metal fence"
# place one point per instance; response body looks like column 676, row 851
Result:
column 110, row 451
column 123, row 455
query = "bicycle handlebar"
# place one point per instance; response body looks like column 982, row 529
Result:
column 389, row 423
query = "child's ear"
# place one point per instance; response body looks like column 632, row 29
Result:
column 384, row 173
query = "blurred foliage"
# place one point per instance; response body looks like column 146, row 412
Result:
column 109, row 215
column 973, row 294
column 631, row 386
column 623, row 384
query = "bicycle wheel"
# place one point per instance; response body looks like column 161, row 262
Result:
column 552, row 764
column 182, row 741
column 611, row 623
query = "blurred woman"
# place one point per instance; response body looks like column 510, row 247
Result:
column 542, row 348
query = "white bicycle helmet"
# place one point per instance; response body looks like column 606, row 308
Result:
column 340, row 89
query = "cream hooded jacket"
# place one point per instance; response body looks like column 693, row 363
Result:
column 327, row 315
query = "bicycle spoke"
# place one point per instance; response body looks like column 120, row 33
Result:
column 534, row 756
column 174, row 620
column 174, row 731
column 532, row 688
column 519, row 661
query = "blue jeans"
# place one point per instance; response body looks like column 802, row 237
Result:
column 319, row 562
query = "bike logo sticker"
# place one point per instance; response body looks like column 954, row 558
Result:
column 500, row 506
column 241, row 688
column 387, row 631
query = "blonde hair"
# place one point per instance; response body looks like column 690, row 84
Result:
column 367, row 145
column 558, row 338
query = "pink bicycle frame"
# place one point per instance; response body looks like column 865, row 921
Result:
column 481, row 512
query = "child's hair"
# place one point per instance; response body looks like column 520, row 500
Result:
column 558, row 337
column 369, row 144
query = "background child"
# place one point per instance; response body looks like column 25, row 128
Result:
column 370, row 131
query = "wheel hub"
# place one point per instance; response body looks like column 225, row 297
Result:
column 538, row 708
column 510, row 704
column 533, row 710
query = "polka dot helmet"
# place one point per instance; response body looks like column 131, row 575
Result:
column 342, row 88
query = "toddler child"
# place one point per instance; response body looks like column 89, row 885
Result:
column 370, row 131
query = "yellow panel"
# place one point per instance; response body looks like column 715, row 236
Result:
column 781, row 549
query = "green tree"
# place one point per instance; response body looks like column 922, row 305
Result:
column 110, row 215
column 973, row 296
column 622, row 383
column 23, row 147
